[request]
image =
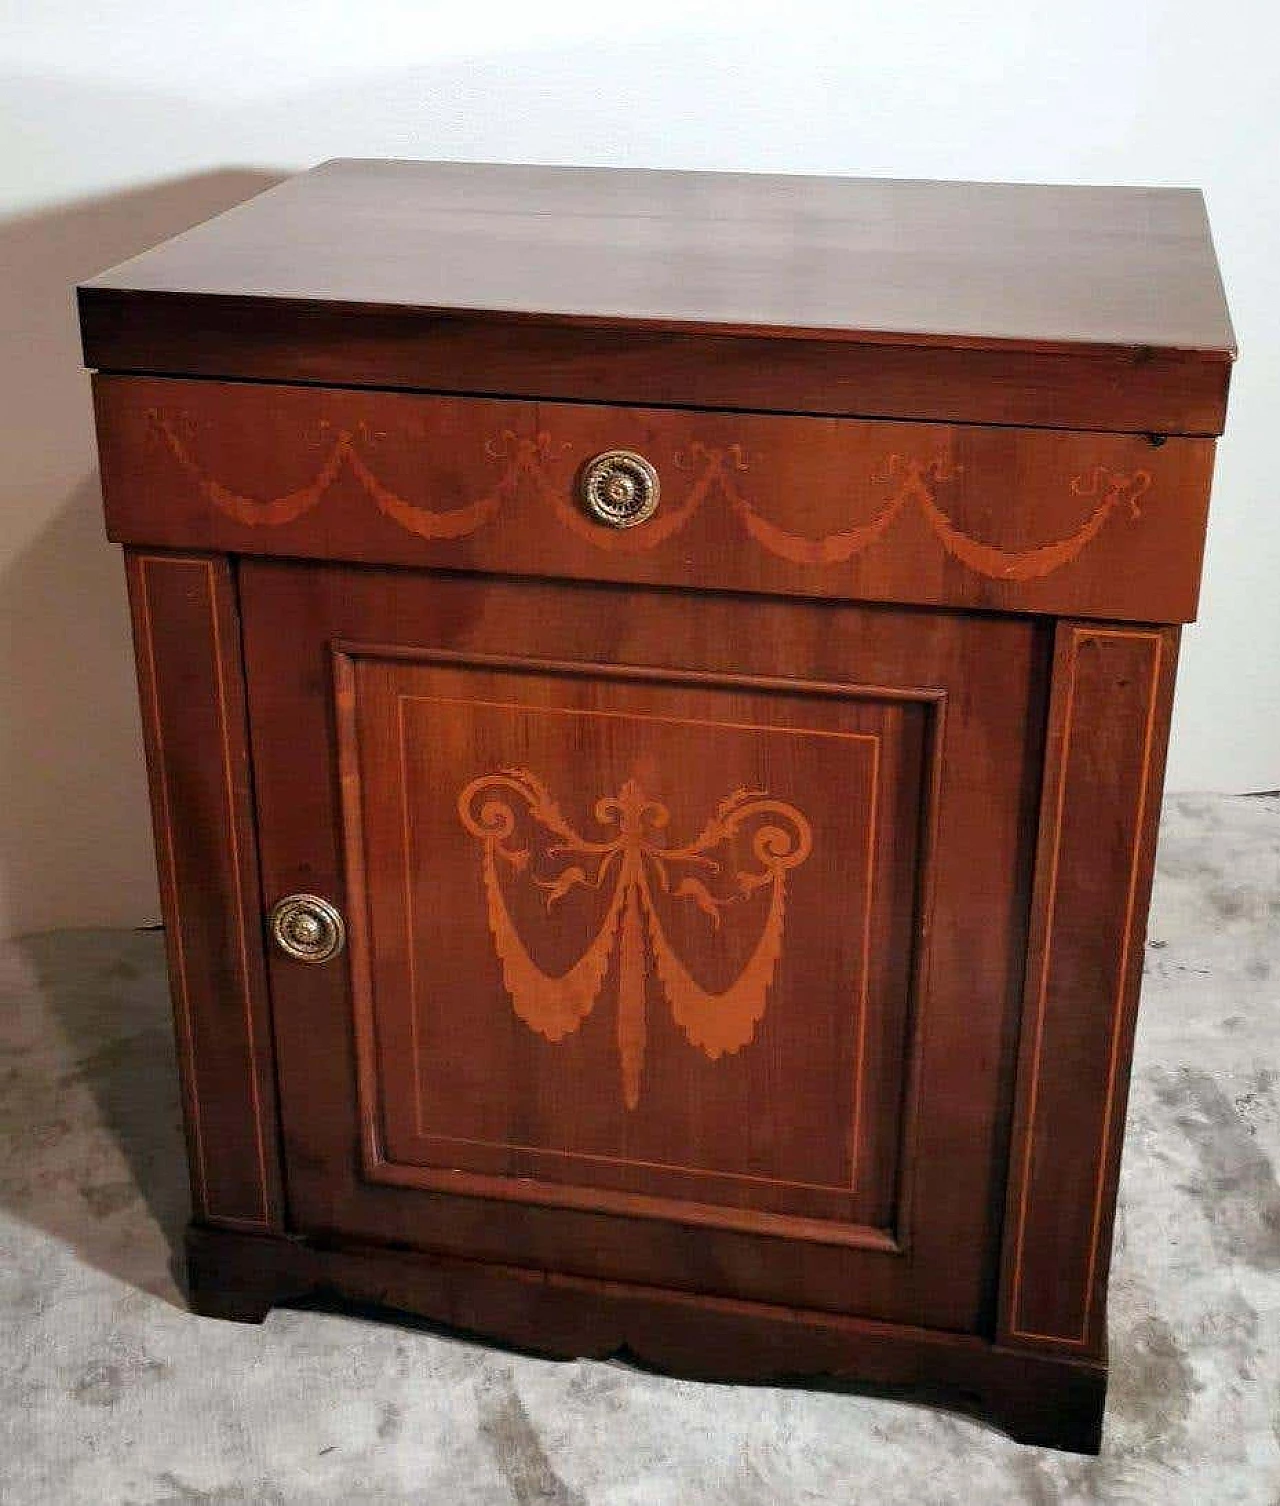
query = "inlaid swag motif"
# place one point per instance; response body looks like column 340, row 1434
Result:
column 912, row 483
column 630, row 866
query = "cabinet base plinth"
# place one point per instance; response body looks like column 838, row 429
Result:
column 1037, row 1398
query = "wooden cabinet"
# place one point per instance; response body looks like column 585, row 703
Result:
column 655, row 848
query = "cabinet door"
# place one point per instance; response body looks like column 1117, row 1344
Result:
column 684, row 931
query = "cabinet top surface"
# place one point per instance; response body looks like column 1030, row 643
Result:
column 882, row 260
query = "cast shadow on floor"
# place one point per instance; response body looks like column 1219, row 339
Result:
column 90, row 1130
column 91, row 1108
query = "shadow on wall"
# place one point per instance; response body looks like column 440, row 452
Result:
column 75, row 837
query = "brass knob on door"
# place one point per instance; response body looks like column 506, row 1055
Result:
column 620, row 488
column 307, row 928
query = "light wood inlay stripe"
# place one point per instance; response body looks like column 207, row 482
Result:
column 1154, row 641
column 182, row 987
column 167, row 763
column 865, row 969
column 864, row 982
column 237, row 880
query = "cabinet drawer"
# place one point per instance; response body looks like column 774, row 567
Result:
column 1007, row 519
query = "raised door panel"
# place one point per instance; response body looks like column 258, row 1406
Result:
column 599, row 965
column 686, row 931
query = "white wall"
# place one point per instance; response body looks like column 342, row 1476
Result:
column 120, row 124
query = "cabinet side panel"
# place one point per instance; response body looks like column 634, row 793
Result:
column 1108, row 726
column 186, row 632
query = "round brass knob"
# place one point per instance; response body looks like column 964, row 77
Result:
column 620, row 488
column 307, row 928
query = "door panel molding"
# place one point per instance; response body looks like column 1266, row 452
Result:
column 382, row 1165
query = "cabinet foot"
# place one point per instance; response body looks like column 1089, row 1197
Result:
column 1042, row 1399
column 236, row 1277
column 1055, row 1404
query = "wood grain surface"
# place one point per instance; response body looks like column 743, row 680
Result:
column 639, row 907
column 935, row 262
column 1049, row 1400
column 1108, row 726
column 1102, row 307
column 1003, row 519
column 187, row 638
column 744, row 908
column 634, row 676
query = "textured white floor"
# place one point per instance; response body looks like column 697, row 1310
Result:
column 110, row 1392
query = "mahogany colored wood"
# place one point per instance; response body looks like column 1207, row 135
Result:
column 1106, row 525
column 642, row 977
column 1076, row 307
column 1104, row 768
column 744, row 909
column 673, row 691
column 1043, row 1399
column 1146, row 391
column 186, row 630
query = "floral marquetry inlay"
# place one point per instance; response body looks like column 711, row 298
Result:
column 541, row 466
column 632, row 865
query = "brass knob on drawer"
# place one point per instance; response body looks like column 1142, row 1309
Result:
column 307, row 928
column 620, row 488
